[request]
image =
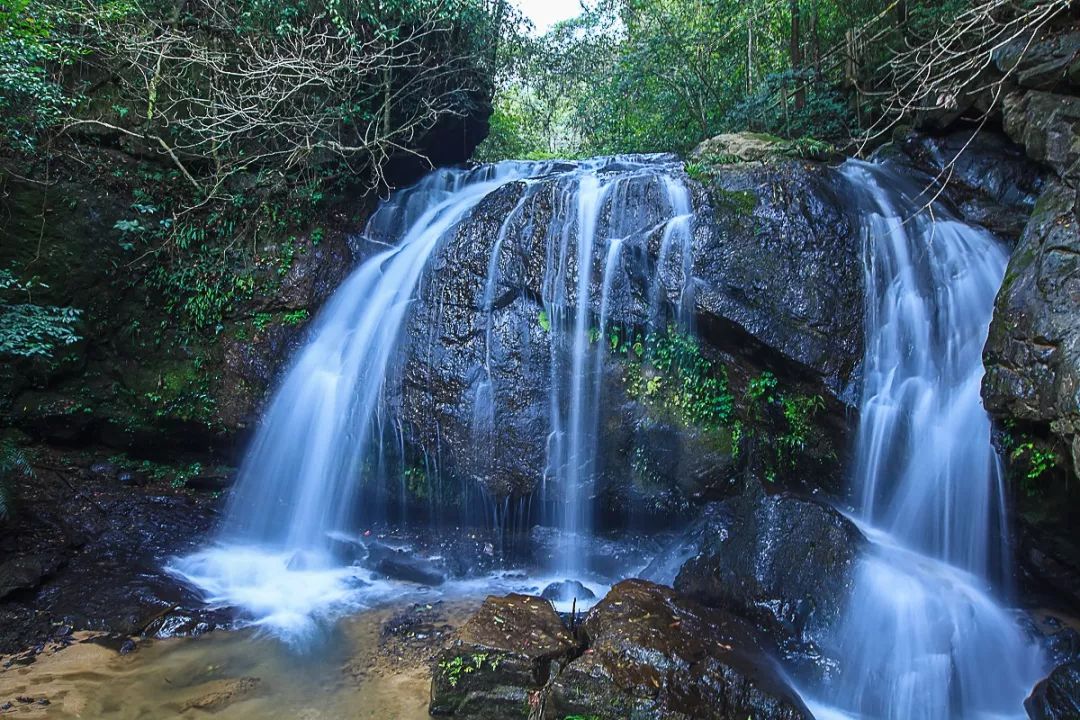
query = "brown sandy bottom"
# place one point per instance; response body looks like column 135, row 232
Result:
column 372, row 665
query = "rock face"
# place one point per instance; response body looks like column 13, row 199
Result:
column 1033, row 352
column 655, row 655
column 777, row 286
column 1032, row 356
column 1058, row 696
column 501, row 659
column 782, row 562
column 651, row 654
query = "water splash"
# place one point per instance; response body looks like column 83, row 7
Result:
column 923, row 637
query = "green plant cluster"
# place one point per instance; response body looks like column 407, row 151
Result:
column 28, row 329
column 454, row 668
column 1031, row 459
column 789, row 432
column 669, row 370
column 175, row 476
column 13, row 462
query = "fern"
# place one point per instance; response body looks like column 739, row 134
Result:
column 13, row 463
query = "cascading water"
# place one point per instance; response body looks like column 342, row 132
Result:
column 922, row 637
column 320, row 446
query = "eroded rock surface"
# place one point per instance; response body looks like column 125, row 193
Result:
column 653, row 655
column 783, row 562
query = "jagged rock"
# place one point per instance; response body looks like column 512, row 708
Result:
column 502, row 657
column 1058, row 696
column 655, row 655
column 989, row 179
column 1047, row 125
column 783, row 562
column 1045, row 64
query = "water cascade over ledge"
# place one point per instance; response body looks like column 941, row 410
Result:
column 321, row 462
column 923, row 637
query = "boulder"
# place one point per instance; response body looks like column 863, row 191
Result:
column 25, row 572
column 401, row 565
column 1058, row 696
column 783, row 562
column 741, row 147
column 500, row 660
column 567, row 591
column 655, row 655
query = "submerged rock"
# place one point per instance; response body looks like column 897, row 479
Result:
column 785, row 563
column 401, row 565
column 567, row 590
column 501, row 659
column 1058, row 696
column 653, row 655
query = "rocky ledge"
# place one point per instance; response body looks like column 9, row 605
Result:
column 84, row 550
column 644, row 651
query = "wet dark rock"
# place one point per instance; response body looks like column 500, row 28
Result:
column 1058, row 696
column 1032, row 386
column 987, row 177
column 402, row 565
column 783, row 265
column 566, row 591
column 653, row 654
column 500, row 661
column 25, row 572
column 1032, row 355
column 783, row 562
column 128, row 647
column 778, row 286
column 86, row 553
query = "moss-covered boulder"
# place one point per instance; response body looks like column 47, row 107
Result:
column 500, row 660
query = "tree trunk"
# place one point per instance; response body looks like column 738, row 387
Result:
column 795, row 50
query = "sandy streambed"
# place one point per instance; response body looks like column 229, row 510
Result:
column 372, row 665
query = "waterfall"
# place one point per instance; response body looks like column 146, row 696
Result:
column 324, row 440
column 923, row 637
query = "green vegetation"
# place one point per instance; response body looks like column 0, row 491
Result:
column 454, row 668
column 663, row 75
column 1030, row 458
column 30, row 330
column 669, row 372
column 318, row 97
column 13, row 462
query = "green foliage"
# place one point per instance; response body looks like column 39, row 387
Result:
column 457, row 666
column 12, row 462
column 669, row 371
column 544, row 321
column 175, row 476
column 1032, row 459
column 30, row 330
column 792, row 433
